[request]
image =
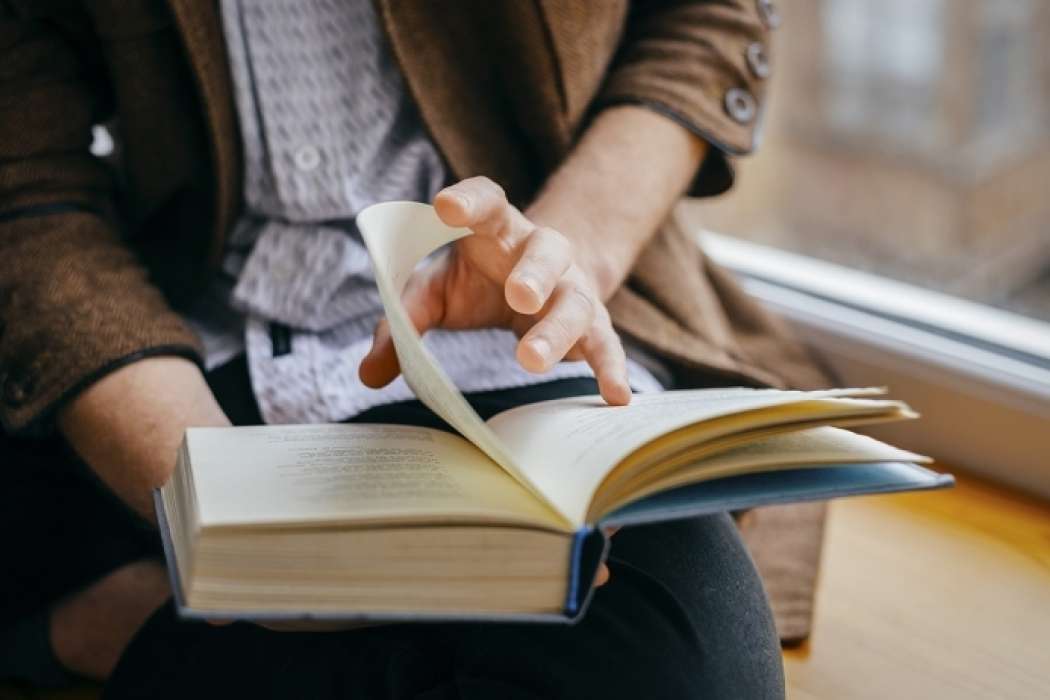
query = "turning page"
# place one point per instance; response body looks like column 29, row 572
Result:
column 399, row 235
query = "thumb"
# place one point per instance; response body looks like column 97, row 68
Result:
column 381, row 366
column 601, row 576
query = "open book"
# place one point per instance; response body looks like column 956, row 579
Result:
column 504, row 520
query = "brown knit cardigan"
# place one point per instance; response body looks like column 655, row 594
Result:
column 95, row 256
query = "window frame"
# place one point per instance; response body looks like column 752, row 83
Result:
column 980, row 376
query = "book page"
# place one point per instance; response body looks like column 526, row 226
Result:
column 810, row 448
column 399, row 235
column 823, row 445
column 329, row 474
column 567, row 446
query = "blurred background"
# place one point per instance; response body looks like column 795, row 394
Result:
column 908, row 138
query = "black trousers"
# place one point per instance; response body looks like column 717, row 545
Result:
column 683, row 616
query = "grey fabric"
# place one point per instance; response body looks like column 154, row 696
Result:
column 26, row 654
column 313, row 78
column 328, row 129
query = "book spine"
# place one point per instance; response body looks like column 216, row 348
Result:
column 572, row 602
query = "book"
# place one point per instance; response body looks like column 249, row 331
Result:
column 505, row 519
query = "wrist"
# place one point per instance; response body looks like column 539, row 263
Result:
column 128, row 425
column 599, row 252
column 605, row 269
column 616, row 188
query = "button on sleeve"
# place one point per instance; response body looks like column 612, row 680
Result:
column 758, row 60
column 18, row 387
column 769, row 13
column 741, row 105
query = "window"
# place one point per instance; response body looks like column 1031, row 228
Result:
column 908, row 138
column 881, row 66
column 898, row 213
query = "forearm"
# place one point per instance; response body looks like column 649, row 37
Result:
column 617, row 187
column 128, row 425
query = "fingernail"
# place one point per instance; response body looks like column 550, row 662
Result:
column 463, row 200
column 542, row 348
column 532, row 284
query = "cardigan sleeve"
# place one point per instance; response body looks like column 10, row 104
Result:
column 75, row 302
column 703, row 64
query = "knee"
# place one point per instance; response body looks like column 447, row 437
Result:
column 701, row 620
column 667, row 646
column 683, row 616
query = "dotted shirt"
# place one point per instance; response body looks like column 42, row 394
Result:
column 328, row 129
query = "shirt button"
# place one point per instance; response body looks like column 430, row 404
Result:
column 769, row 13
column 741, row 105
column 307, row 158
column 758, row 61
column 18, row 387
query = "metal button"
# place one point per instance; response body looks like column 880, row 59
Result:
column 741, row 105
column 769, row 13
column 757, row 60
column 18, row 387
column 101, row 141
column 307, row 158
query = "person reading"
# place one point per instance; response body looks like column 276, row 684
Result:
column 210, row 271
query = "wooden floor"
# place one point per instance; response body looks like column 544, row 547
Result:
column 936, row 595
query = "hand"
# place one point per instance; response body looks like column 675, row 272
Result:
column 601, row 576
column 511, row 274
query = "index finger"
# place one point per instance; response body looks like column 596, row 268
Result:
column 481, row 205
column 604, row 353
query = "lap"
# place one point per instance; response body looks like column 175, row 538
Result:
column 61, row 528
column 684, row 615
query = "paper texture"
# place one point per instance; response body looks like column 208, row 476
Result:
column 812, row 448
column 399, row 235
column 302, row 474
column 568, row 446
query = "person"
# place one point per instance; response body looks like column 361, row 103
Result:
column 209, row 272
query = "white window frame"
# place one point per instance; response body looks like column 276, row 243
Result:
column 980, row 376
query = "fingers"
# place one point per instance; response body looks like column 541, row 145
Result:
column 571, row 312
column 604, row 353
column 545, row 260
column 480, row 204
column 577, row 323
column 534, row 266
column 601, row 576
column 381, row 366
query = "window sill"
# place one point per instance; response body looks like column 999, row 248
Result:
column 979, row 376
